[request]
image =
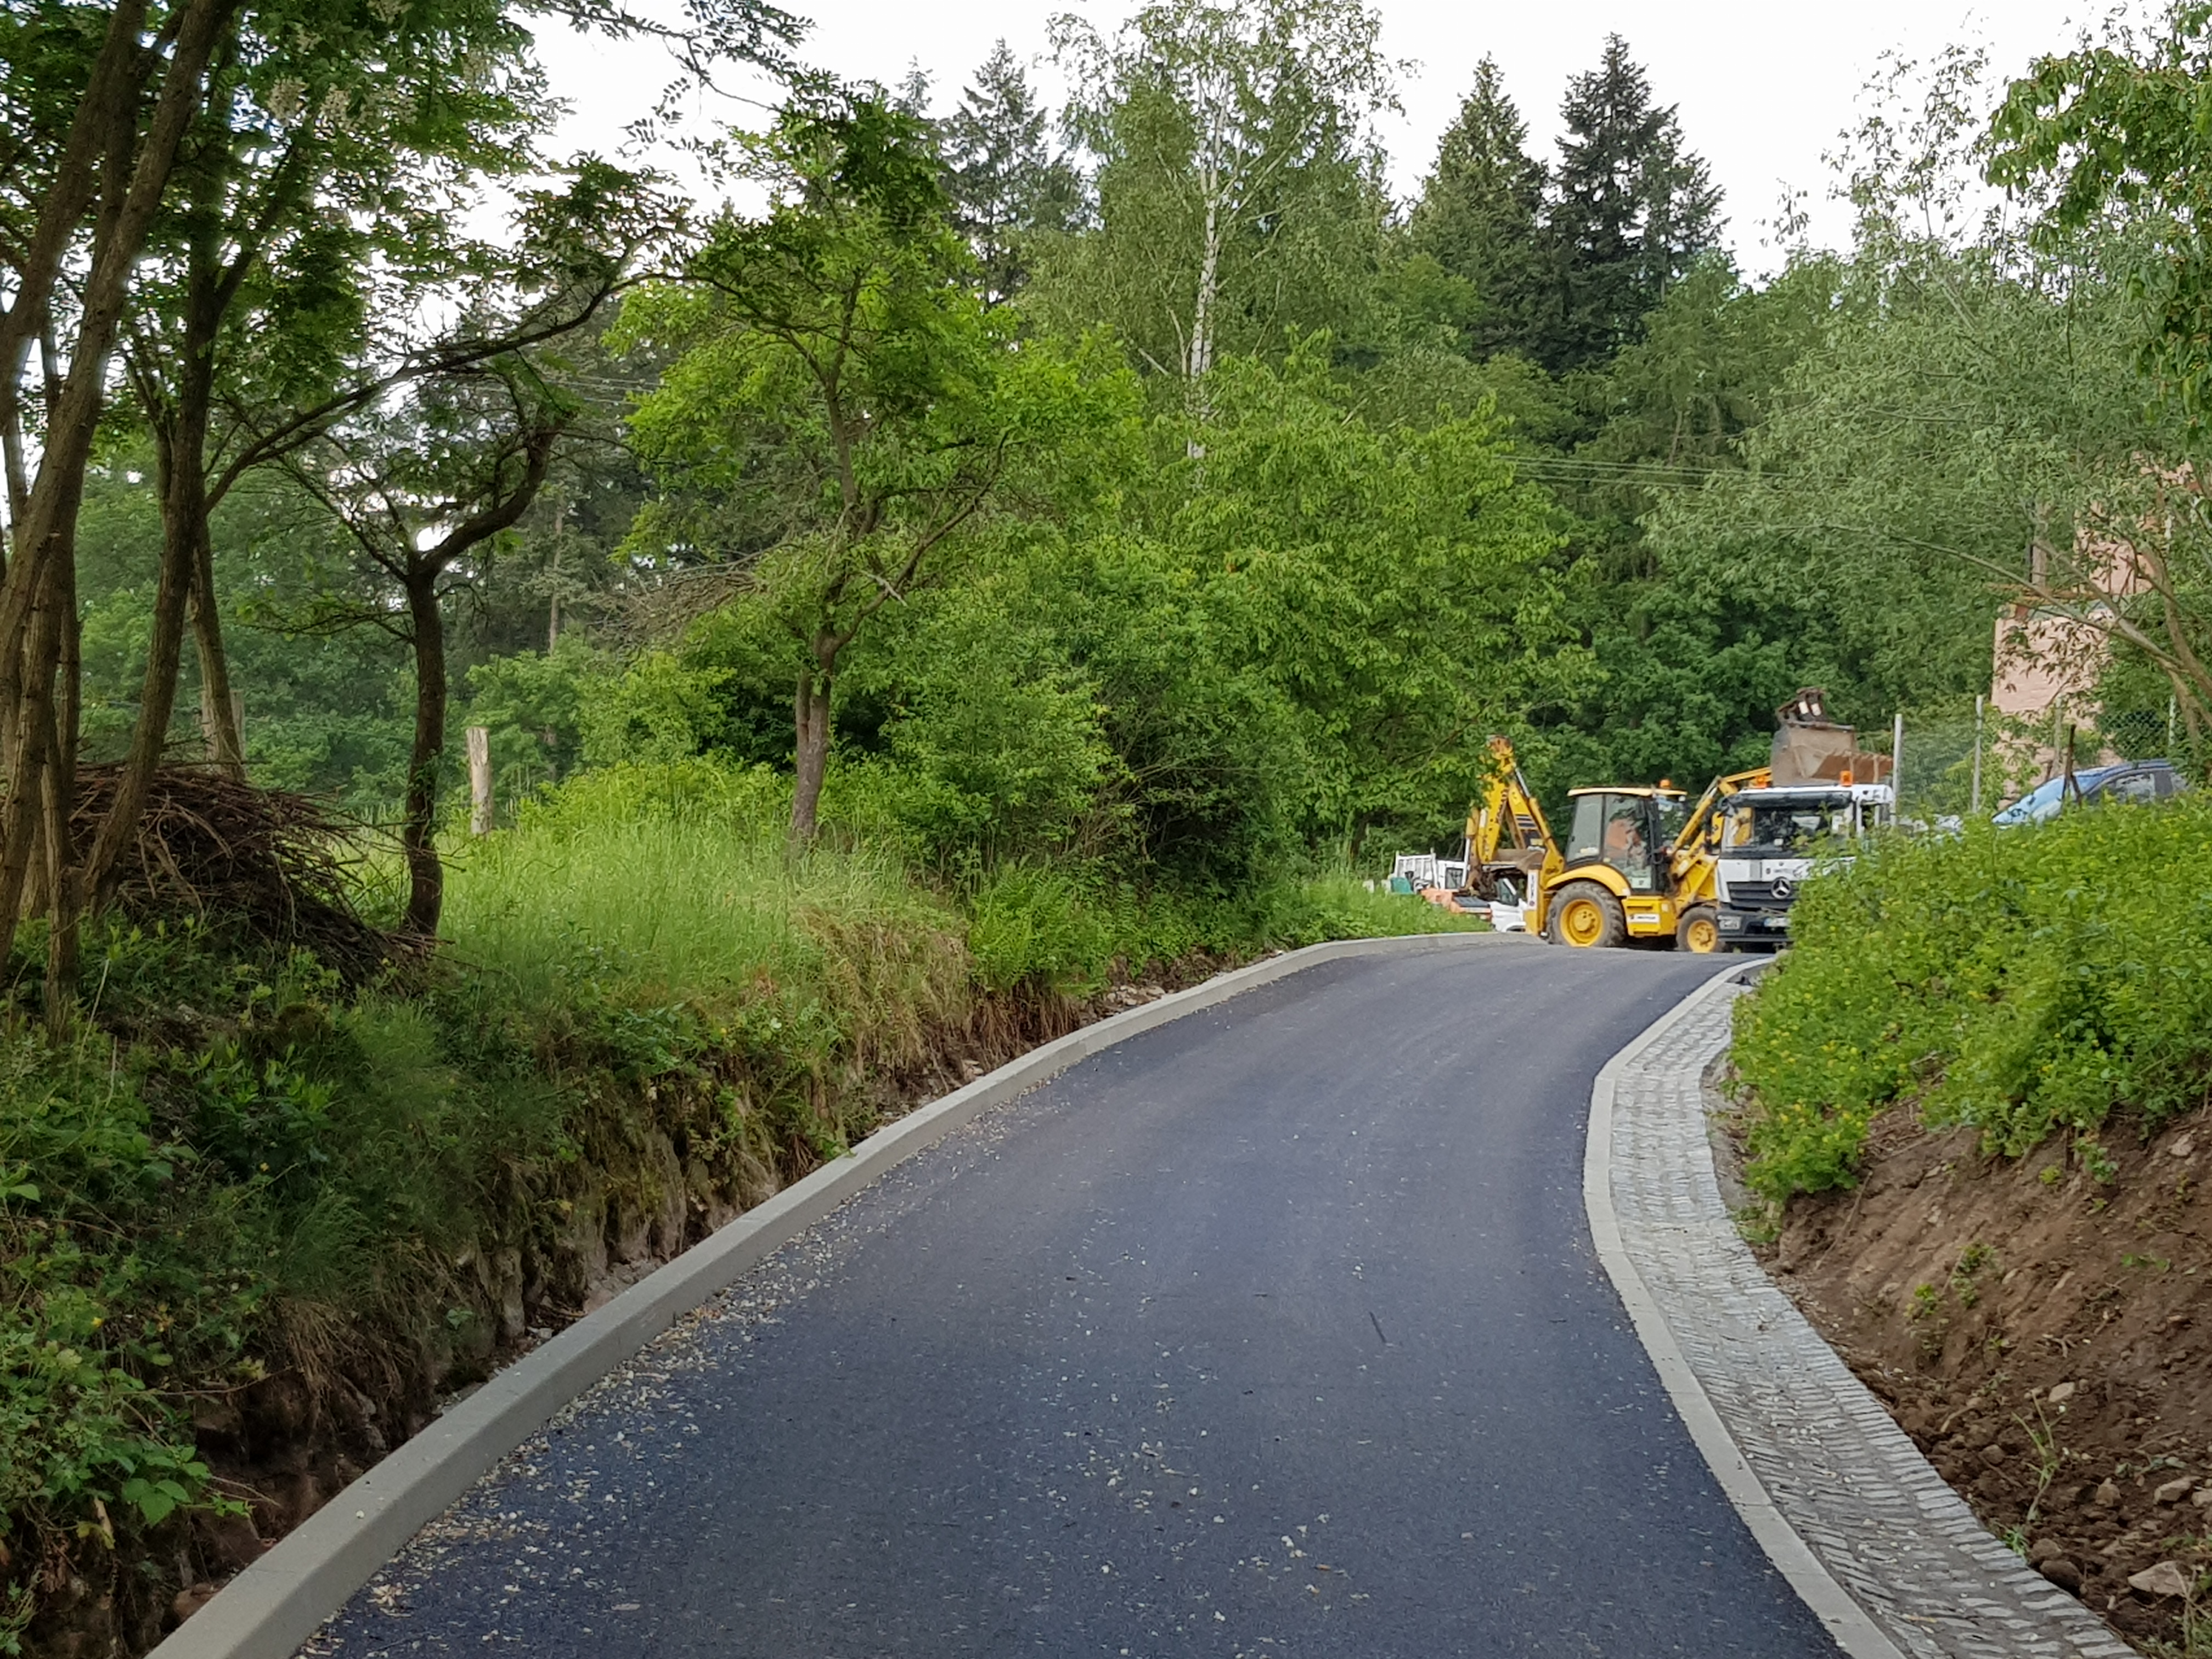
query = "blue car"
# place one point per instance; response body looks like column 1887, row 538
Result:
column 2130, row 781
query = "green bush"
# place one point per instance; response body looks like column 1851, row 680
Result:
column 240, row 1171
column 1033, row 927
column 2020, row 981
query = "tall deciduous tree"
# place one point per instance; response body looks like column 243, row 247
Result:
column 1007, row 184
column 1238, row 190
column 1479, row 217
column 306, row 171
column 2123, row 130
column 183, row 132
column 1389, row 585
column 1632, row 209
column 424, row 488
column 840, row 405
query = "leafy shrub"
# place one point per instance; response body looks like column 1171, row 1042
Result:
column 1034, row 927
column 240, row 1142
column 2020, row 981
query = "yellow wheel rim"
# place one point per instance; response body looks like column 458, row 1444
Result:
column 1582, row 922
column 1703, row 936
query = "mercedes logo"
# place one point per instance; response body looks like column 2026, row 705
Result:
column 1784, row 887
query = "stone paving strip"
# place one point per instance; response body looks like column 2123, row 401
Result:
column 1877, row 1516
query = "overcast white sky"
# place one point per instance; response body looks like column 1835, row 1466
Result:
column 1764, row 85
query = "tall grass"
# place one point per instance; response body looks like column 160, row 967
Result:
column 675, row 881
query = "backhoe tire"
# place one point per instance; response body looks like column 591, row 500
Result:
column 1699, row 931
column 1588, row 917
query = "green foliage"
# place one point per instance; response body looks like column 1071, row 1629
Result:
column 1007, row 186
column 533, row 705
column 1035, row 927
column 1239, row 198
column 170, row 1206
column 1632, row 210
column 991, row 743
column 1478, row 226
column 2121, row 130
column 2021, row 982
column 1387, row 587
column 1898, row 480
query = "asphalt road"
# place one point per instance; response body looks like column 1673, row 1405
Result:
column 1275, row 1331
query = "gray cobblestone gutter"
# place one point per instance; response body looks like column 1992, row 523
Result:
column 1877, row 1543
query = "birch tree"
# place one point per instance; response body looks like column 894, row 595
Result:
column 1237, row 180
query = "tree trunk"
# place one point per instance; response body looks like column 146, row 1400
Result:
column 64, row 888
column 418, row 832
column 31, row 746
column 131, row 189
column 64, row 879
column 218, row 704
column 133, row 196
column 809, row 750
column 184, row 521
column 1209, row 282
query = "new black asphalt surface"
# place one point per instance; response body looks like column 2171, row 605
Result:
column 1274, row 1331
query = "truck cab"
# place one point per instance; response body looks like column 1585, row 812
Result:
column 1770, row 840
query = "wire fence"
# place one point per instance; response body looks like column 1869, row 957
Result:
column 1957, row 763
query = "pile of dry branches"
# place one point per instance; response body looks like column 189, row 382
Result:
column 210, row 846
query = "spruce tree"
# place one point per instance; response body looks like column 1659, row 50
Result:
column 1631, row 209
column 1479, row 217
column 1005, row 182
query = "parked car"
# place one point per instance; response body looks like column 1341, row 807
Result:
column 2130, row 781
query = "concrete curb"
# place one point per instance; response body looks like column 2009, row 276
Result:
column 276, row 1604
column 1856, row 1634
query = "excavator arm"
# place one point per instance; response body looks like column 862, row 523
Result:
column 1506, row 833
column 1506, row 818
column 1700, row 839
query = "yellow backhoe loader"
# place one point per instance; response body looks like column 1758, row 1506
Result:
column 1637, row 864
column 1640, row 865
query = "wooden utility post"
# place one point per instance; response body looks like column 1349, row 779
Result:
column 479, row 781
column 1897, row 767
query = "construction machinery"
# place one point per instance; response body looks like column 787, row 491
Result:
column 1644, row 865
column 1637, row 864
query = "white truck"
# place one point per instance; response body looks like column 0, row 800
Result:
column 1769, row 840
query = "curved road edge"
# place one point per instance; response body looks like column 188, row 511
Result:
column 276, row 1603
column 1874, row 1541
column 1855, row 1633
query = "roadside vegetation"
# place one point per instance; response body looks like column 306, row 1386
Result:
column 2028, row 984
column 258, row 1219
column 1024, row 560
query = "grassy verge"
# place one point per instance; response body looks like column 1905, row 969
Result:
column 253, row 1223
column 2020, row 982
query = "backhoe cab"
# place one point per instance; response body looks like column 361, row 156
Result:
column 1616, row 879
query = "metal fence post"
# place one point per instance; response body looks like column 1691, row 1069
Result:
column 1897, row 766
column 1975, row 799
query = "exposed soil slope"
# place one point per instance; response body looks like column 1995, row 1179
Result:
column 2040, row 1327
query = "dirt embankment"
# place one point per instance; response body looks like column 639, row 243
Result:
column 2041, row 1328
